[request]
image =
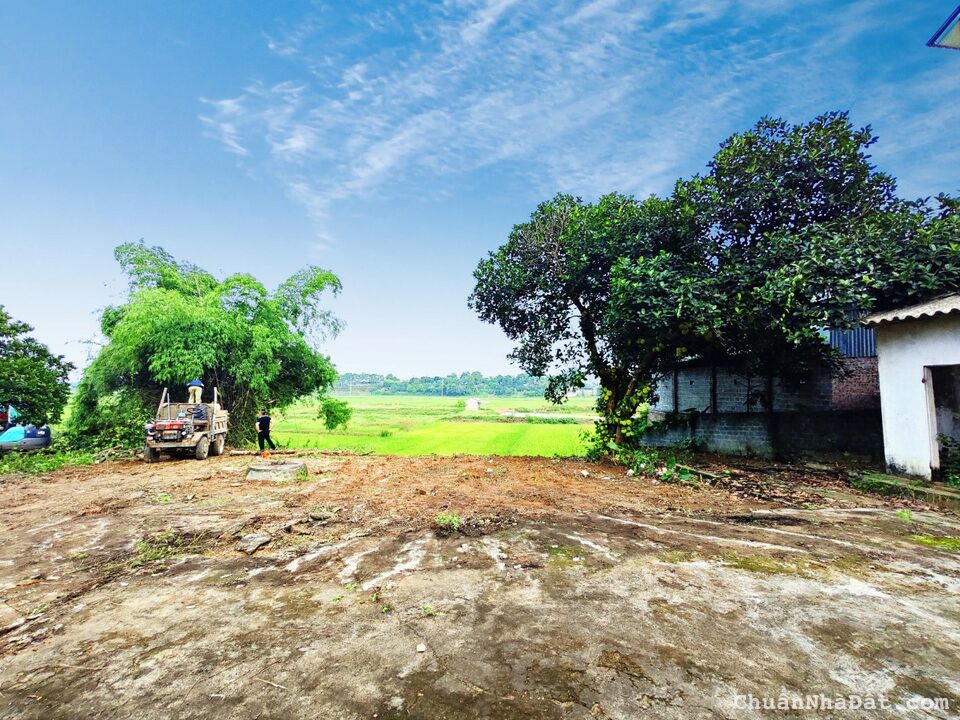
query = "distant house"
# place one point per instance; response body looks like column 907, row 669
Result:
column 919, row 352
column 725, row 411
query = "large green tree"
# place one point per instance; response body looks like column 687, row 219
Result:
column 180, row 323
column 910, row 253
column 553, row 288
column 791, row 230
column 32, row 379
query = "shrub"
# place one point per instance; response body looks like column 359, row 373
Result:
column 536, row 420
column 665, row 465
column 335, row 413
column 115, row 419
column 448, row 522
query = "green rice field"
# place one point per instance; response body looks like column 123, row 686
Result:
column 418, row 425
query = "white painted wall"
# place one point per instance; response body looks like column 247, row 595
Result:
column 904, row 349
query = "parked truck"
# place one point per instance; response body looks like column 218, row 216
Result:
column 180, row 428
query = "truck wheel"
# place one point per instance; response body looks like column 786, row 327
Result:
column 203, row 448
column 218, row 444
column 149, row 454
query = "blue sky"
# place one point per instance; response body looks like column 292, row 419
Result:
column 397, row 143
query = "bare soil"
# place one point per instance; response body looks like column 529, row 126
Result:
column 570, row 591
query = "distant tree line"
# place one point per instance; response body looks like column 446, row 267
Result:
column 464, row 384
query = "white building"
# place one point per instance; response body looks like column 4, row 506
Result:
column 919, row 364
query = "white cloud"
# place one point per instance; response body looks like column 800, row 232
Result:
column 585, row 97
column 221, row 123
column 475, row 29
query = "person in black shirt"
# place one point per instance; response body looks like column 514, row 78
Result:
column 263, row 431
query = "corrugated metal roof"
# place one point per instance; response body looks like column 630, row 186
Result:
column 941, row 306
column 857, row 342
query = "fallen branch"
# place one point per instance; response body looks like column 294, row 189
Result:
column 257, row 452
column 305, row 451
column 117, row 452
column 276, row 685
column 701, row 473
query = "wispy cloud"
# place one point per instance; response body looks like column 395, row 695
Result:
column 582, row 96
column 220, row 122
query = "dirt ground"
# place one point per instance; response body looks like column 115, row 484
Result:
column 572, row 591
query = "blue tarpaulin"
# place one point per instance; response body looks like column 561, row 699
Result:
column 14, row 434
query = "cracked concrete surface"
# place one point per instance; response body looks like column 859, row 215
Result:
column 622, row 608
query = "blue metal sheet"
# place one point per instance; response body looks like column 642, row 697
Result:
column 859, row 342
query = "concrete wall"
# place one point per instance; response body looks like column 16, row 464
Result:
column 855, row 389
column 905, row 348
column 824, row 434
column 822, row 417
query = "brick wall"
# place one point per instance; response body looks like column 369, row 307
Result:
column 739, row 393
column 822, row 434
column 859, row 387
column 824, row 416
column 693, row 389
column 856, row 388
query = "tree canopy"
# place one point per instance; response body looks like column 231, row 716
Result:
column 181, row 323
column 32, row 379
column 790, row 230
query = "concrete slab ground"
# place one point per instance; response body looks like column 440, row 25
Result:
column 562, row 595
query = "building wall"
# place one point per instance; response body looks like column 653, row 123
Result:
column 824, row 434
column 905, row 348
column 859, row 387
column 856, row 389
column 824, row 416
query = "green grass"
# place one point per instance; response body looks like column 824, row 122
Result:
column 562, row 556
column 951, row 544
column 42, row 461
column 762, row 564
column 416, row 425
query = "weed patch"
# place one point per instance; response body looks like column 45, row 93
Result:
column 563, row 556
column 664, row 465
column 950, row 544
column 878, row 484
column 762, row 564
column 677, row 556
column 448, row 523
column 163, row 546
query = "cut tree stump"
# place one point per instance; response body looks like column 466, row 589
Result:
column 278, row 470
